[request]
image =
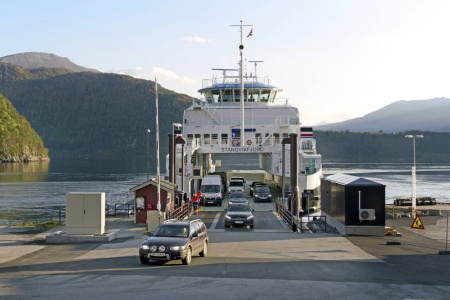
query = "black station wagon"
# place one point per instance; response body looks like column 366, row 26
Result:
column 175, row 240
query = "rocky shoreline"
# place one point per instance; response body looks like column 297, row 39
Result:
column 25, row 159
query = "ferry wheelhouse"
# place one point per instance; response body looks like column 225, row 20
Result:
column 241, row 113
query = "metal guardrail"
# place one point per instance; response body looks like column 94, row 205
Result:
column 286, row 215
column 314, row 224
column 110, row 210
column 119, row 209
column 182, row 212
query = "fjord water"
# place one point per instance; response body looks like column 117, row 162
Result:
column 36, row 191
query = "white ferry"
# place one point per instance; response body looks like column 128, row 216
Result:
column 241, row 113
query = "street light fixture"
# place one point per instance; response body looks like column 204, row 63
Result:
column 148, row 131
column 413, row 172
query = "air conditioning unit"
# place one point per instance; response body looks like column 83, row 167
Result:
column 366, row 214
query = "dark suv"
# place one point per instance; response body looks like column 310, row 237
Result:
column 175, row 240
column 262, row 193
column 239, row 214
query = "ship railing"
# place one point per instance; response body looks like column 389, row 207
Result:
column 309, row 144
column 281, row 101
column 223, row 120
column 234, row 142
column 233, row 80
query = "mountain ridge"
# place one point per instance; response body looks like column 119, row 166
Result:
column 426, row 115
column 89, row 114
column 35, row 60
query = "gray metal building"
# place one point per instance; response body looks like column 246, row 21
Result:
column 353, row 205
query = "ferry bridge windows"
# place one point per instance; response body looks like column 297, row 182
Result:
column 215, row 96
column 237, row 95
column 227, row 96
column 276, row 138
column 224, row 139
column 265, row 95
column 198, row 138
column 258, row 138
column 207, row 95
column 215, row 138
column 206, row 139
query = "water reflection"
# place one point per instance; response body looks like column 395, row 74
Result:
column 24, row 172
column 36, row 191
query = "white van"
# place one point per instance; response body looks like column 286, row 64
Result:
column 211, row 189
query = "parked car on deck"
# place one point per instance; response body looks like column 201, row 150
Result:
column 237, row 197
column 236, row 185
column 255, row 184
column 239, row 214
column 211, row 189
column 262, row 193
column 175, row 240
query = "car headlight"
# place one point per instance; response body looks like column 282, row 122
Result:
column 228, row 217
column 153, row 248
column 269, row 195
column 250, row 217
column 176, row 248
column 145, row 247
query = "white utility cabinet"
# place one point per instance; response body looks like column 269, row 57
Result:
column 85, row 213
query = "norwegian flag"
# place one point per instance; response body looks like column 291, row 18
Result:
column 306, row 133
column 250, row 33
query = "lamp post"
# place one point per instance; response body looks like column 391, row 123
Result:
column 413, row 172
column 181, row 141
column 176, row 130
column 148, row 131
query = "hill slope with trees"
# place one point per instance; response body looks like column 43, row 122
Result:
column 92, row 114
column 18, row 141
column 383, row 147
column 88, row 114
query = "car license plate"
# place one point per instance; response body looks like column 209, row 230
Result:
column 239, row 222
column 210, row 201
column 158, row 254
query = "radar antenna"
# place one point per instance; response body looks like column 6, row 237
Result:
column 224, row 71
column 256, row 64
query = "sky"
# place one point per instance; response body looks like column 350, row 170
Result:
column 334, row 59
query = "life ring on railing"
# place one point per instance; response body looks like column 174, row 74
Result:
column 235, row 142
column 249, row 142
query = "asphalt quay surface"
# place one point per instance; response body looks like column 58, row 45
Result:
column 266, row 262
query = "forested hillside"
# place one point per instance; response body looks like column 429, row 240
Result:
column 18, row 141
column 81, row 115
column 92, row 114
column 383, row 147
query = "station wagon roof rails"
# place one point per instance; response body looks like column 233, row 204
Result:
column 170, row 221
column 196, row 220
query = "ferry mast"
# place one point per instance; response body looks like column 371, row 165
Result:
column 241, row 81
